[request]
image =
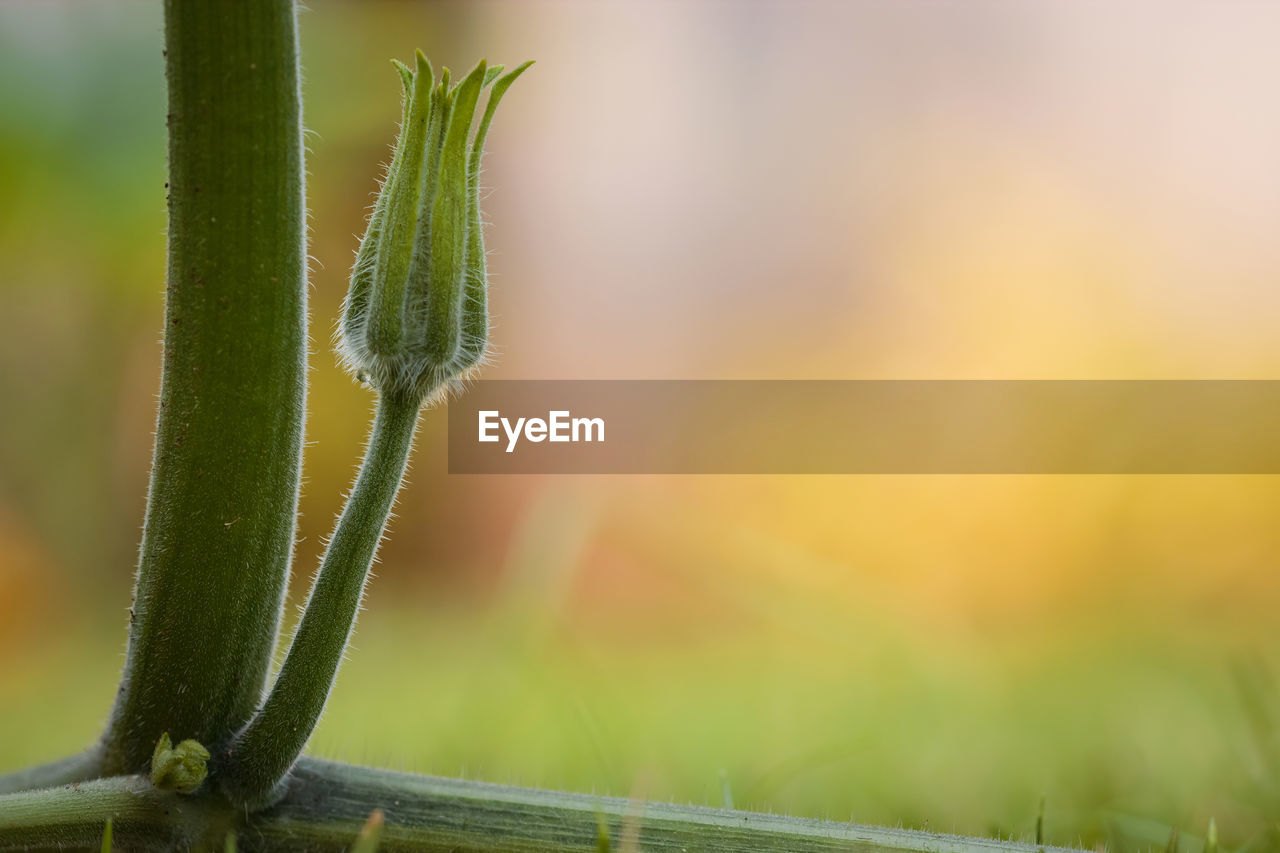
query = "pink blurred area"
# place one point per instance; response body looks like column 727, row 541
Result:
column 869, row 190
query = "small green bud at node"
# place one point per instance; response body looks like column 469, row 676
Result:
column 180, row 768
column 416, row 317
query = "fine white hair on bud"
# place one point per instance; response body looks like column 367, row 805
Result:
column 416, row 315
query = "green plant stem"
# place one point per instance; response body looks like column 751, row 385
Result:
column 73, row 817
column 258, row 759
column 224, row 484
column 326, row 804
column 73, row 768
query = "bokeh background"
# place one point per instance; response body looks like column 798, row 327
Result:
column 766, row 189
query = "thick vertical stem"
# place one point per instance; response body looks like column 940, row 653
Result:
column 253, row 766
column 224, row 483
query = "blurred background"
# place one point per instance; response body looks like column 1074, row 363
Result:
column 766, row 189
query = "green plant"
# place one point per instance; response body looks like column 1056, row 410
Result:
column 218, row 537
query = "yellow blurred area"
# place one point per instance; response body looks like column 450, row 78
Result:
column 732, row 190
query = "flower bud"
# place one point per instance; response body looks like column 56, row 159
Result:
column 180, row 768
column 416, row 316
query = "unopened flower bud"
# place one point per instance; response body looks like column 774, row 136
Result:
column 416, row 317
column 180, row 768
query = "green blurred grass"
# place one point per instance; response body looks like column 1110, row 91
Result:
column 880, row 726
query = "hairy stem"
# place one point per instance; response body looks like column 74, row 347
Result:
column 325, row 804
column 73, row 768
column 258, row 759
column 224, row 484
column 73, row 817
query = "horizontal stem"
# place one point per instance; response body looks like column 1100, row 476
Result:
column 73, row 817
column 64, row 771
column 326, row 803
